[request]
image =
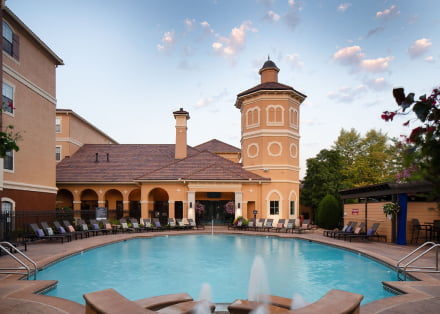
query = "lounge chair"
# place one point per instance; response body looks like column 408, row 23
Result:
column 72, row 229
column 358, row 229
column 349, row 230
column 290, row 226
column 135, row 225
column 82, row 225
column 64, row 230
column 124, row 226
column 328, row 233
column 268, row 225
column 279, row 226
column 259, row 225
column 182, row 226
column 370, row 234
column 172, row 225
column 39, row 234
column 48, row 230
column 108, row 226
column 193, row 224
column 148, row 225
column 250, row 225
column 95, row 226
column 157, row 225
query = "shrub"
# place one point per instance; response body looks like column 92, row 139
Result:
column 329, row 212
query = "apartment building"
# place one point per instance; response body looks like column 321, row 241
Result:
column 27, row 177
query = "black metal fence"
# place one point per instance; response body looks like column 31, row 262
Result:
column 15, row 224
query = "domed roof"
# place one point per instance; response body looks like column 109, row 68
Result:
column 269, row 64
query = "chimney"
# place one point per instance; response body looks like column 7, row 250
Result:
column 269, row 71
column 181, row 117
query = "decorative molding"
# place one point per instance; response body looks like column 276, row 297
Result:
column 11, row 72
column 69, row 140
column 285, row 181
column 272, row 167
column 295, row 154
column 270, row 132
column 256, row 153
column 29, row 187
column 269, row 151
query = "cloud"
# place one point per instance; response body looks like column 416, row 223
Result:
column 235, row 42
column 167, row 41
column 294, row 60
column 208, row 101
column 354, row 57
column 267, row 3
column 374, row 31
column 376, row 65
column 291, row 19
column 419, row 47
column 206, row 27
column 349, row 55
column 272, row 16
column 378, row 84
column 429, row 59
column 295, row 4
column 388, row 13
column 347, row 94
column 343, row 7
column 189, row 24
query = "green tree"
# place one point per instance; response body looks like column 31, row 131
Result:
column 329, row 212
column 323, row 177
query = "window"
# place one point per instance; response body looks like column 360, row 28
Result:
column 293, row 117
column 274, row 207
column 253, row 117
column 292, row 208
column 58, row 125
column 8, row 161
column 275, row 115
column 8, row 98
column 10, row 41
column 8, row 37
column 58, row 153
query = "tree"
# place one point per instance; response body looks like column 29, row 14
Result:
column 329, row 212
column 422, row 146
column 365, row 160
column 323, row 176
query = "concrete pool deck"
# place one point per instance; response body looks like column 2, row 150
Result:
column 18, row 296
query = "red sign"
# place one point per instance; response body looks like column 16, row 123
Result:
column 355, row 211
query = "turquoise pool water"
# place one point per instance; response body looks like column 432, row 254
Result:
column 141, row 268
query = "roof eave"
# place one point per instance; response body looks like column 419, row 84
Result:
column 301, row 97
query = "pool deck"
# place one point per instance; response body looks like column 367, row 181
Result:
column 18, row 296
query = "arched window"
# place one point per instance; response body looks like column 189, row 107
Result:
column 275, row 115
column 253, row 117
column 10, row 41
column 293, row 118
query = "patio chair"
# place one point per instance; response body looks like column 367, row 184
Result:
column 72, row 229
column 348, row 230
column 416, row 228
column 181, row 225
column 82, row 225
column 259, row 225
column 108, row 226
column 48, row 230
column 328, row 233
column 157, row 225
column 250, row 225
column 135, row 225
column 60, row 230
column 172, row 225
column 359, row 229
column 279, row 226
column 193, row 224
column 268, row 225
column 148, row 225
column 124, row 226
column 371, row 233
column 95, row 226
column 290, row 226
column 40, row 235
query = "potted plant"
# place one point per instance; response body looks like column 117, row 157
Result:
column 390, row 209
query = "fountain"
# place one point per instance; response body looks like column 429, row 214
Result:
column 298, row 302
column 258, row 290
column 205, row 298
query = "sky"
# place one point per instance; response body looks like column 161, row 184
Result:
column 130, row 63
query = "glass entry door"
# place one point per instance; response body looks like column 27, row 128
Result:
column 215, row 210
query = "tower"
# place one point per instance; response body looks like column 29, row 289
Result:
column 270, row 135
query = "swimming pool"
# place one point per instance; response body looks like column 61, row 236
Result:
column 140, row 268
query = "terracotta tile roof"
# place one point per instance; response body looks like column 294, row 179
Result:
column 127, row 161
column 202, row 166
column 216, row 146
column 269, row 86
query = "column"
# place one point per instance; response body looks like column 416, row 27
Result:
column 76, row 205
column 144, row 201
column 238, row 204
column 401, row 219
column 192, row 205
column 171, row 209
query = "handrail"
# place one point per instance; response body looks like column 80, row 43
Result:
column 428, row 269
column 25, row 266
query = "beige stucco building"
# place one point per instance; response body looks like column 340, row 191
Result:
column 73, row 131
column 27, row 177
column 174, row 180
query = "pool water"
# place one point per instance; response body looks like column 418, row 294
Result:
column 141, row 268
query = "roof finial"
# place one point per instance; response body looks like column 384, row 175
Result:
column 268, row 57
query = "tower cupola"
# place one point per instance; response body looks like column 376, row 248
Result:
column 269, row 71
